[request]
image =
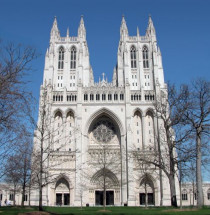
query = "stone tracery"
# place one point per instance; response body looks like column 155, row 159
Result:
column 104, row 131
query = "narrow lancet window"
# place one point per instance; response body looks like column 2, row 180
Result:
column 145, row 54
column 61, row 58
column 73, row 58
column 133, row 57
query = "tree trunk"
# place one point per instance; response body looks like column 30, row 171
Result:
column 40, row 198
column 180, row 184
column 173, row 191
column 180, row 190
column 14, row 193
column 23, row 194
column 198, row 171
column 29, row 194
column 146, row 194
column 172, row 168
column 81, row 199
column 40, row 180
column 193, row 194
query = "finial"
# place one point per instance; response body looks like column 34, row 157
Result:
column 103, row 74
column 150, row 18
column 138, row 31
column 81, row 20
column 67, row 33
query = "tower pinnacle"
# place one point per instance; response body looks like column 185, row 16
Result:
column 81, row 29
column 123, row 28
column 54, row 34
column 151, row 28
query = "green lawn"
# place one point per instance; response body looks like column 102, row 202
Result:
column 10, row 210
column 110, row 210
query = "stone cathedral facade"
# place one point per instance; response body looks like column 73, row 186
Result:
column 94, row 127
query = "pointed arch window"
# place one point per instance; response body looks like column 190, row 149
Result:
column 61, row 58
column 133, row 57
column 145, row 54
column 73, row 58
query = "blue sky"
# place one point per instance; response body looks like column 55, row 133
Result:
column 182, row 28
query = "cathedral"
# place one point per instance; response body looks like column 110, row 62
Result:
column 93, row 127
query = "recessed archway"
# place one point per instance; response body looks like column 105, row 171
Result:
column 146, row 190
column 62, row 192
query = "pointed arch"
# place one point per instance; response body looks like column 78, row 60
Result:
column 151, row 111
column 61, row 57
column 147, row 178
column 108, row 113
column 147, row 190
column 70, row 112
column 139, row 110
column 73, row 57
column 150, row 130
column 62, row 190
column 145, row 56
column 58, row 113
column 133, row 56
column 108, row 173
column 137, row 129
column 62, row 180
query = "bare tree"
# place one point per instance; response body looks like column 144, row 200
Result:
column 25, row 151
column 18, row 166
column 169, row 107
column 12, row 175
column 49, row 143
column 198, row 118
column 15, row 65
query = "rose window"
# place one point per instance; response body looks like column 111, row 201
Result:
column 104, row 131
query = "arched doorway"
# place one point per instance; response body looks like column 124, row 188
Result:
column 106, row 187
column 146, row 191
column 62, row 192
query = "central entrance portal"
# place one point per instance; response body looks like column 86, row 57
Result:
column 109, row 197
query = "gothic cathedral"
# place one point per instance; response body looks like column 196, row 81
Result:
column 89, row 130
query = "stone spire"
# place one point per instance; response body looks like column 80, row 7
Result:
column 54, row 34
column 151, row 29
column 123, row 29
column 81, row 29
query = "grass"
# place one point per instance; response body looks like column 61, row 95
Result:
column 10, row 210
column 110, row 210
